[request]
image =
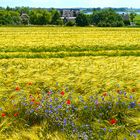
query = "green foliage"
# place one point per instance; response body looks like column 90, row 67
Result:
column 70, row 23
column 106, row 18
column 126, row 22
column 132, row 16
column 82, row 20
column 55, row 20
column 9, row 18
column 40, row 17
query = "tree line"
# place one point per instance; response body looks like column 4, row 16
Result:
column 38, row 16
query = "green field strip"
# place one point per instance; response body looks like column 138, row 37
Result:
column 68, row 54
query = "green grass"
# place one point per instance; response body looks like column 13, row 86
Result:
column 137, row 20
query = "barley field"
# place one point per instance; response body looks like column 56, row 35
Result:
column 60, row 83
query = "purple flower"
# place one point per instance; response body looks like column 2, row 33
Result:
column 65, row 122
column 50, row 111
column 59, row 106
column 96, row 102
column 85, row 107
column 138, row 131
column 132, row 104
column 32, row 110
column 131, row 97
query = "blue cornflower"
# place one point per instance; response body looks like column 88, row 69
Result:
column 65, row 122
column 124, row 93
column 50, row 106
column 59, row 106
column 132, row 104
column 32, row 110
column 138, row 131
column 55, row 109
column 50, row 111
column 131, row 97
column 31, row 103
column 85, row 107
column 109, row 107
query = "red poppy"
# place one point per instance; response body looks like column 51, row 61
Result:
column 37, row 103
column 16, row 114
column 33, row 100
column 49, row 92
column 3, row 114
column 133, row 90
column 62, row 92
column 17, row 88
column 118, row 91
column 68, row 102
column 113, row 121
column 30, row 83
column 104, row 94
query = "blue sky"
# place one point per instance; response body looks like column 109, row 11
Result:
column 71, row 3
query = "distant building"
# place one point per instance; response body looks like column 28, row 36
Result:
column 24, row 18
column 125, row 16
column 69, row 15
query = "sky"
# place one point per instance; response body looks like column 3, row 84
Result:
column 71, row 3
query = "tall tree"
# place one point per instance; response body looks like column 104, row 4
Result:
column 82, row 20
column 106, row 18
column 132, row 16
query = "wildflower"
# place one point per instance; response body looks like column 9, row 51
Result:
column 49, row 93
column 33, row 100
column 32, row 110
column 132, row 104
column 131, row 97
column 85, row 107
column 3, row 114
column 96, row 102
column 125, row 93
column 16, row 114
column 59, row 106
column 17, row 88
column 68, row 102
column 62, row 93
column 113, row 121
column 104, row 94
column 133, row 90
column 30, row 83
column 138, row 131
column 65, row 121
column 37, row 103
column 118, row 91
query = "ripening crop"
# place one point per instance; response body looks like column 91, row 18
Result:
column 69, row 83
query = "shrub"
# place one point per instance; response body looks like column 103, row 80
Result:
column 70, row 23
